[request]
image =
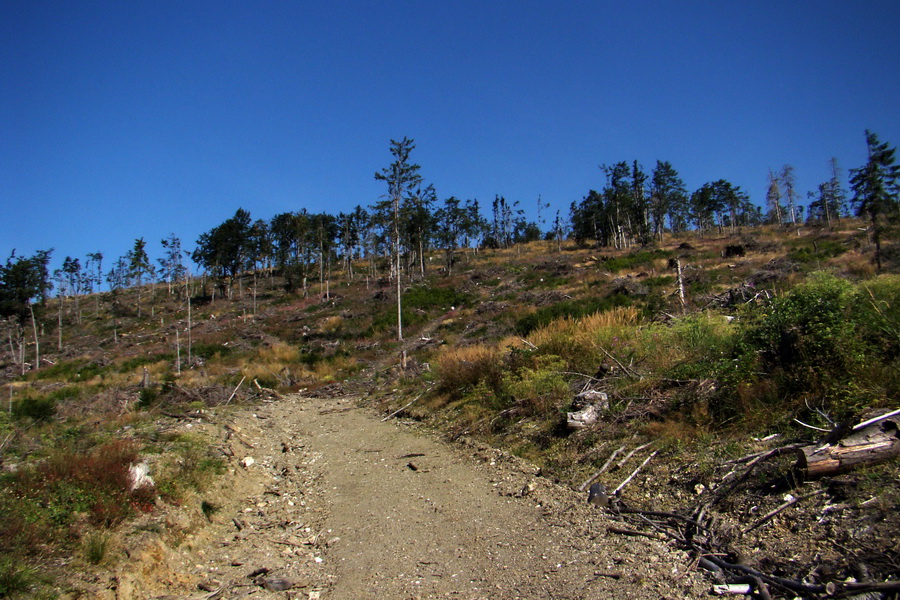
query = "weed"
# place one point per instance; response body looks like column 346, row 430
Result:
column 188, row 464
column 131, row 364
column 462, row 369
column 42, row 502
column 95, row 545
column 208, row 509
column 15, row 577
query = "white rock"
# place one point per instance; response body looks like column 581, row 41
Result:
column 248, row 462
column 139, row 476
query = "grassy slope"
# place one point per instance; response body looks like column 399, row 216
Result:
column 499, row 348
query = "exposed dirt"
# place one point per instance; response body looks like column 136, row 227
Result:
column 340, row 504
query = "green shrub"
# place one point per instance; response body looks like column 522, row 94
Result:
column 208, row 351
column 15, row 576
column 820, row 342
column 70, row 371
column 36, row 408
column 540, row 389
column 817, row 250
column 426, row 297
column 808, row 334
column 634, row 260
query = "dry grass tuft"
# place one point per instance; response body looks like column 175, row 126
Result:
column 463, row 368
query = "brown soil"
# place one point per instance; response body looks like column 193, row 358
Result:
column 343, row 505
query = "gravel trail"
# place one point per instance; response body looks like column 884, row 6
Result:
column 338, row 504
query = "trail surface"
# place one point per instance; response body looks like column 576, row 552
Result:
column 345, row 506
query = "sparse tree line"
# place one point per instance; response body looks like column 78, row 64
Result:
column 394, row 235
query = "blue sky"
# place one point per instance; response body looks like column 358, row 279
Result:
column 121, row 120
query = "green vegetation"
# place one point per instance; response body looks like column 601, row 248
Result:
column 433, row 297
column 635, row 260
column 817, row 251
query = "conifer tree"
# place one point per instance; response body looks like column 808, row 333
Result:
column 875, row 188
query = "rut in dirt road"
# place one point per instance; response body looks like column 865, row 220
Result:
column 349, row 507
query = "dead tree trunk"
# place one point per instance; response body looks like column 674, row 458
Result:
column 875, row 443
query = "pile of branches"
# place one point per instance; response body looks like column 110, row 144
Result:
column 700, row 530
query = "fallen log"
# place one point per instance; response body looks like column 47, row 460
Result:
column 874, row 443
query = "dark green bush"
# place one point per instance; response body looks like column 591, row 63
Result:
column 825, row 342
column 817, row 250
column 809, row 335
column 634, row 260
column 427, row 297
column 72, row 370
column 148, row 397
column 37, row 408
column 208, row 351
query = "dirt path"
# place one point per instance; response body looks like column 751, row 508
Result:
column 345, row 506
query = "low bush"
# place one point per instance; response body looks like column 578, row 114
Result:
column 816, row 251
column 826, row 342
column 634, row 260
column 428, row 297
column 540, row 389
column 70, row 371
column 208, row 351
column 41, row 502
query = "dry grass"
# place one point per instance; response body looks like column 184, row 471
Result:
column 583, row 342
column 462, row 368
column 854, row 264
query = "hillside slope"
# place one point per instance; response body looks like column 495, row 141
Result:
column 493, row 353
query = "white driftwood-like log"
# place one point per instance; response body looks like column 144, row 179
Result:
column 740, row 589
column 872, row 444
column 589, row 404
column 582, row 418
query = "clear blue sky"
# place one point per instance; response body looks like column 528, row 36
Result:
column 134, row 119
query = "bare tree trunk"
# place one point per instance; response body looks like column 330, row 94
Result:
column 59, row 345
column 37, row 344
column 190, row 335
